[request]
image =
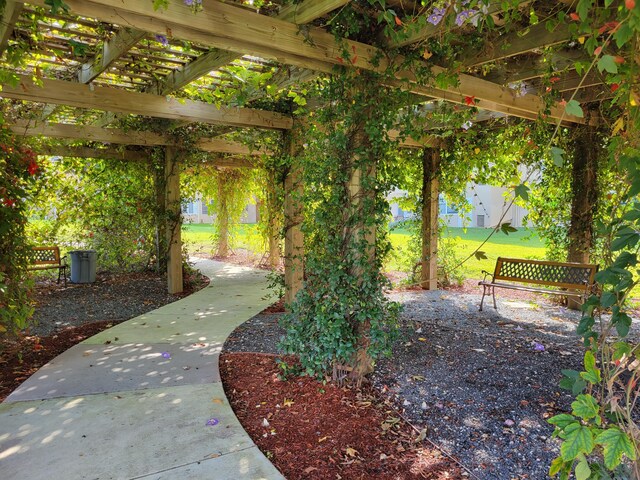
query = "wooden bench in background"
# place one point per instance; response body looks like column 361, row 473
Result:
column 48, row 258
column 570, row 279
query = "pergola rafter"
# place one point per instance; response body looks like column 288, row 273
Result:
column 231, row 28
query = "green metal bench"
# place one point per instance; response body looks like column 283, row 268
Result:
column 567, row 279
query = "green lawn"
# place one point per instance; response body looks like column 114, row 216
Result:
column 199, row 237
column 520, row 244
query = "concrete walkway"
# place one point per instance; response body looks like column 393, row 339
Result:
column 142, row 399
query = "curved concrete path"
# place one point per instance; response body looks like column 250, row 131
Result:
column 142, row 399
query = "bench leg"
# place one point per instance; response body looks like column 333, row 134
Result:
column 493, row 293
column 484, row 292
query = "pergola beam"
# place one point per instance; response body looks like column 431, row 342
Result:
column 129, row 155
column 231, row 28
column 10, row 15
column 130, row 137
column 430, row 30
column 515, row 43
column 123, row 101
column 112, row 49
column 309, row 10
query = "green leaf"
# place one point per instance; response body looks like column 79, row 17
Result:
column 607, row 299
column 557, row 155
column 623, row 34
column 57, row 5
column 480, row 255
column 615, row 444
column 625, row 239
column 583, row 8
column 573, row 108
column 557, row 466
column 572, row 381
column 622, row 321
column 522, row 191
column 562, row 421
column 578, row 439
column 583, row 472
column 506, row 228
column 608, row 63
column 585, row 407
column 620, row 349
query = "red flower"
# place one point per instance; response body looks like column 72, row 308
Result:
column 614, row 87
column 8, row 202
column 630, row 4
column 33, row 167
column 554, row 79
column 574, row 16
column 470, row 100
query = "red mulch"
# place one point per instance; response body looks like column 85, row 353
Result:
column 322, row 431
column 21, row 358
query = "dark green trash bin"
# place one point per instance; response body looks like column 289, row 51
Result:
column 83, row 266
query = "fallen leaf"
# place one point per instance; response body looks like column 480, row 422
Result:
column 352, row 452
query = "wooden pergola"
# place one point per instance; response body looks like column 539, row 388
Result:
column 102, row 60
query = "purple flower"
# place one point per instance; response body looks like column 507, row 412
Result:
column 188, row 2
column 464, row 16
column 436, row 16
column 538, row 347
column 162, row 39
column 212, row 422
column 467, row 125
column 166, row 355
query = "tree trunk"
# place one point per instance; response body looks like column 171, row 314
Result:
column 430, row 185
column 584, row 187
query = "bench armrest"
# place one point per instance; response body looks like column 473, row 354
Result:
column 487, row 274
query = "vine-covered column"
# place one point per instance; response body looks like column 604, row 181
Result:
column 429, row 228
column 160, row 188
column 584, row 185
column 273, row 219
column 174, row 223
column 223, row 214
column 293, row 205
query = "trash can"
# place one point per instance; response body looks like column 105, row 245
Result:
column 83, row 266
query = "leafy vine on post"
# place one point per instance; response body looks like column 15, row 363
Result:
column 341, row 321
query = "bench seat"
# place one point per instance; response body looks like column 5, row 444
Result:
column 560, row 278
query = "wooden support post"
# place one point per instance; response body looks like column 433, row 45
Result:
column 174, row 223
column 293, row 217
column 160, row 186
column 584, row 189
column 430, row 184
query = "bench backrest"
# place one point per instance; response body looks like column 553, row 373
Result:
column 576, row 276
column 44, row 256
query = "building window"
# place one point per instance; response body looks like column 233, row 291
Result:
column 444, row 208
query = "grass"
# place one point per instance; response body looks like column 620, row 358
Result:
column 521, row 244
column 198, row 237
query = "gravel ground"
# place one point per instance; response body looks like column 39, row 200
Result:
column 112, row 297
column 476, row 381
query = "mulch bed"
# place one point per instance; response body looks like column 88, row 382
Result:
column 313, row 430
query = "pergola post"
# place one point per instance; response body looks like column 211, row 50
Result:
column 584, row 190
column 429, row 230
column 293, row 239
column 174, row 223
column 223, row 215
